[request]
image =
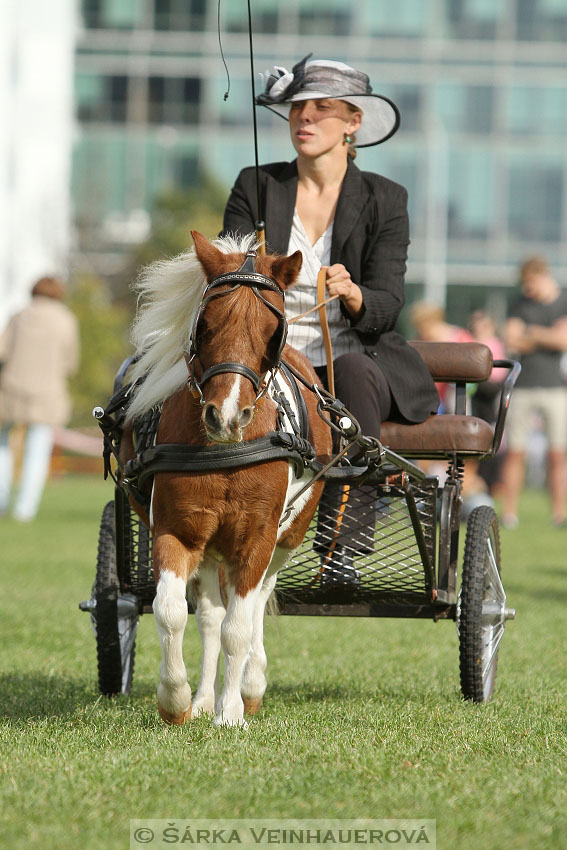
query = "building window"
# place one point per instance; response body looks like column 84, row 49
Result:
column 406, row 20
column 408, row 99
column 535, row 199
column 112, row 14
column 541, row 20
column 465, row 109
column 101, row 97
column 473, row 18
column 265, row 16
column 470, row 209
column 534, row 110
column 174, row 100
column 180, row 15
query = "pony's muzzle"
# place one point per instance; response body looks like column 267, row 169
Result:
column 226, row 430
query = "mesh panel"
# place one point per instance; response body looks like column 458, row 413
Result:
column 137, row 575
column 372, row 528
column 364, row 548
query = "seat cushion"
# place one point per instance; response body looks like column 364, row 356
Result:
column 439, row 435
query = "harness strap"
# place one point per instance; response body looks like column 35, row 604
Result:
column 299, row 400
column 238, row 368
column 321, row 278
column 174, row 457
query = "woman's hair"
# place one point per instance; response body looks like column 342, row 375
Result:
column 51, row 287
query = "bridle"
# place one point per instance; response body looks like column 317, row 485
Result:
column 247, row 276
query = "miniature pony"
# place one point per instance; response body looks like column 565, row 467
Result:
column 233, row 522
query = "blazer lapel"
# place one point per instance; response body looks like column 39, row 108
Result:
column 281, row 194
column 352, row 201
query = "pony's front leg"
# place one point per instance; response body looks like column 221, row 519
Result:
column 236, row 637
column 254, row 682
column 173, row 564
column 209, row 613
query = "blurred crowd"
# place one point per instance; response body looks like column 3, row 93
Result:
column 534, row 448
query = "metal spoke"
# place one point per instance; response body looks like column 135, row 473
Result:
column 494, row 574
column 492, row 644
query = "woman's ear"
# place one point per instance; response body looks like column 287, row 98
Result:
column 354, row 122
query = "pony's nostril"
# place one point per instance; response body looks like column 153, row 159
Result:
column 245, row 416
column 211, row 417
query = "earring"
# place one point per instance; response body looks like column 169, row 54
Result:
column 348, row 140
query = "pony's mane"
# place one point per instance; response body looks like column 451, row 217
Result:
column 169, row 296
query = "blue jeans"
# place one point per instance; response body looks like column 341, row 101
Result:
column 35, row 468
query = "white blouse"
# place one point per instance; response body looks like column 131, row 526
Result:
column 305, row 334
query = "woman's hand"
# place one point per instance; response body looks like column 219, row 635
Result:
column 339, row 283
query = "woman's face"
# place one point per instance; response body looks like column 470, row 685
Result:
column 320, row 126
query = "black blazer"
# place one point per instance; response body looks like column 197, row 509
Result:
column 370, row 238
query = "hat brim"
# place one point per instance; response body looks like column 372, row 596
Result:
column 380, row 116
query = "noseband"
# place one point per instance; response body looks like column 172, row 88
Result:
column 247, row 276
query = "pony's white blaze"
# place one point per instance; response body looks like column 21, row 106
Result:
column 170, row 610
column 230, row 410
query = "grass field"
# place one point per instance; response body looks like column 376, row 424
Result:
column 362, row 718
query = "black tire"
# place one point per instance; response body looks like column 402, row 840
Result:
column 115, row 635
column 481, row 612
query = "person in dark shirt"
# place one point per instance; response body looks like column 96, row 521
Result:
column 536, row 332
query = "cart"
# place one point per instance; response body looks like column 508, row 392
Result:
column 409, row 564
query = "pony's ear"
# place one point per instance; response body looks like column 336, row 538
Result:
column 208, row 254
column 286, row 269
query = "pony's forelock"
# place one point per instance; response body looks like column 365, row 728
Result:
column 169, row 296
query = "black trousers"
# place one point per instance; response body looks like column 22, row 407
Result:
column 346, row 518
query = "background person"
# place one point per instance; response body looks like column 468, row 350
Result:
column 536, row 332
column 39, row 350
column 352, row 223
column 486, row 397
column 430, row 324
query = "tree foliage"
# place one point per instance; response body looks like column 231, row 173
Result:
column 105, row 312
column 103, row 328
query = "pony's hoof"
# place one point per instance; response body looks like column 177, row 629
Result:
column 174, row 719
column 221, row 722
column 251, row 706
column 203, row 707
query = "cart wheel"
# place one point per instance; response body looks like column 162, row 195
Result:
column 481, row 609
column 114, row 616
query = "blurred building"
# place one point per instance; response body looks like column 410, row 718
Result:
column 481, row 85
column 37, row 45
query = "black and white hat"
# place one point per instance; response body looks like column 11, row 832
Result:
column 323, row 78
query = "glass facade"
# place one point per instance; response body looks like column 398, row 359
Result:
column 481, row 86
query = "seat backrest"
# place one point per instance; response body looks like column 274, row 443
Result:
column 456, row 361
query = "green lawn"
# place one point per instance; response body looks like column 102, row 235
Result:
column 362, row 718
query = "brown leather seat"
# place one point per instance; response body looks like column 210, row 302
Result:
column 445, row 434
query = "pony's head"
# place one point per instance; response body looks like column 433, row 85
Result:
column 238, row 334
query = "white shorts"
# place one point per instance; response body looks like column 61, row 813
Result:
column 550, row 403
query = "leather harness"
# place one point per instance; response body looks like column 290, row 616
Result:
column 294, row 447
